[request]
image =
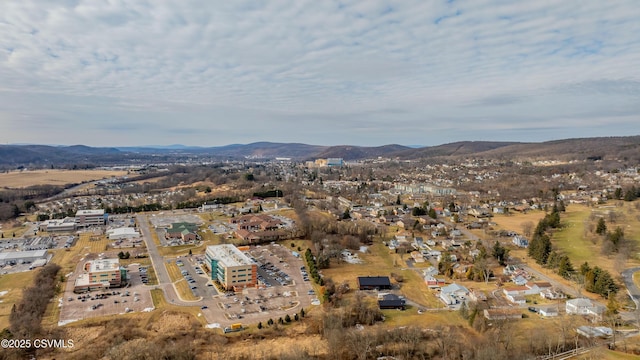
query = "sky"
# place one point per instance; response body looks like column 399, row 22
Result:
column 210, row 73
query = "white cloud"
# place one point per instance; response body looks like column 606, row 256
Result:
column 366, row 72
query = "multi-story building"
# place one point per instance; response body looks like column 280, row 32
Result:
column 231, row 267
column 101, row 274
column 91, row 217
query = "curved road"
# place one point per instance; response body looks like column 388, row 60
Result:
column 632, row 289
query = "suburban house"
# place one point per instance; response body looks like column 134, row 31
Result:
column 391, row 301
column 584, row 306
column 552, row 294
column 433, row 282
column 374, row 283
column 453, row 294
column 515, row 294
column 548, row 311
column 534, row 288
column 520, row 241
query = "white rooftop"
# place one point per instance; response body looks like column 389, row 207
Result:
column 229, row 255
column 104, row 265
column 90, row 212
column 11, row 255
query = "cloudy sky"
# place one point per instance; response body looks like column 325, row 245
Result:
column 132, row 72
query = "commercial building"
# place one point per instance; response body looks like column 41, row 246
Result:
column 101, row 274
column 231, row 267
column 22, row 257
column 67, row 224
column 122, row 233
column 86, row 218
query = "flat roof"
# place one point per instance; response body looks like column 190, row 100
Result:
column 14, row 255
column 229, row 255
column 122, row 231
column 90, row 212
column 103, row 265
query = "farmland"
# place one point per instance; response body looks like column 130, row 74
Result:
column 20, row 179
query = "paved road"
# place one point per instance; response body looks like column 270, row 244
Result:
column 157, row 260
column 632, row 289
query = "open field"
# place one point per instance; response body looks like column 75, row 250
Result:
column 575, row 240
column 515, row 221
column 93, row 243
column 13, row 285
column 19, row 179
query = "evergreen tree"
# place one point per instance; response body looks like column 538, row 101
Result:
column 287, row 319
column 616, row 237
column 601, row 228
column 565, row 268
column 618, row 194
column 500, row 253
column 260, row 325
column 464, row 311
column 432, row 213
column 585, row 268
column 270, row 322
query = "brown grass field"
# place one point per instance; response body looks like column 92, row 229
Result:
column 13, row 285
column 19, row 179
column 514, row 221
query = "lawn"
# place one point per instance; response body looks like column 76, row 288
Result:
column 184, row 290
column 92, row 243
column 181, row 250
column 431, row 319
column 174, row 271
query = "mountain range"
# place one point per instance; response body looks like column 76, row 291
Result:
column 622, row 148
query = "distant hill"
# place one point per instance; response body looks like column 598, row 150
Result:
column 347, row 152
column 453, row 149
column 29, row 155
column 623, row 148
column 574, row 149
column 266, row 150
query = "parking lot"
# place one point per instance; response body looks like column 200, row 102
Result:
column 193, row 273
column 283, row 290
column 134, row 297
